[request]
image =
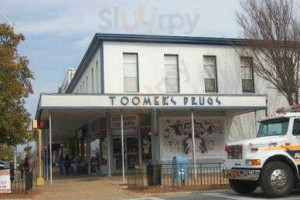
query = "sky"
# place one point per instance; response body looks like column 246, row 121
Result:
column 58, row 32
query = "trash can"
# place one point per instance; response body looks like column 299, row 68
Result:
column 180, row 165
column 154, row 174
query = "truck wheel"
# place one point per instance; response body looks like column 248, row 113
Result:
column 277, row 179
column 243, row 187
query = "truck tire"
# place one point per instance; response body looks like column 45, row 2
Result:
column 277, row 179
column 243, row 187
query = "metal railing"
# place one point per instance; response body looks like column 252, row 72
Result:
column 21, row 182
column 199, row 174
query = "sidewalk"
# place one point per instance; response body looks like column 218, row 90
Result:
column 86, row 188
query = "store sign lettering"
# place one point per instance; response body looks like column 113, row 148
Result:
column 164, row 101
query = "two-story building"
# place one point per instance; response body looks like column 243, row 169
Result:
column 160, row 95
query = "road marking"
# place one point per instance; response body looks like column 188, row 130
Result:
column 148, row 198
column 238, row 197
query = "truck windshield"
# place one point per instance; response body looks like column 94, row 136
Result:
column 273, row 127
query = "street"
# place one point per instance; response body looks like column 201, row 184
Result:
column 219, row 195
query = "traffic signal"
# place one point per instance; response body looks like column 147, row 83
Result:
column 43, row 124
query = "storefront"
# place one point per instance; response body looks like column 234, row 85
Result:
column 153, row 132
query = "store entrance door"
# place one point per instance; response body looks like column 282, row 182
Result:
column 131, row 149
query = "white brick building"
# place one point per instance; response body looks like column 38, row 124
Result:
column 158, row 83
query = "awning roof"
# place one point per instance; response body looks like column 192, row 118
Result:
column 69, row 111
column 150, row 101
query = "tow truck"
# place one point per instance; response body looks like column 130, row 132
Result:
column 271, row 160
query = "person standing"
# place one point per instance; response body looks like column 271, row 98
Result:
column 26, row 165
column 61, row 164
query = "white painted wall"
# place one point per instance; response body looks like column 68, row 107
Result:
column 152, row 76
column 151, row 67
column 86, row 78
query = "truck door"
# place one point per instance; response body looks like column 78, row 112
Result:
column 294, row 149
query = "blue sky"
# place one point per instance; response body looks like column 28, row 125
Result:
column 59, row 32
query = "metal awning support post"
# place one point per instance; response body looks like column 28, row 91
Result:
column 50, row 146
column 123, row 152
column 194, row 144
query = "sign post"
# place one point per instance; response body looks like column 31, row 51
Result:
column 40, row 182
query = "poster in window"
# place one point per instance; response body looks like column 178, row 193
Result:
column 177, row 136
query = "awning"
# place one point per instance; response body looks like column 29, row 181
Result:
column 146, row 101
column 68, row 112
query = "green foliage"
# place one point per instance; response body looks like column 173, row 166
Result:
column 6, row 153
column 15, row 86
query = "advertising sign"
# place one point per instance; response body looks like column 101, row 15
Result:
column 5, row 186
column 129, row 121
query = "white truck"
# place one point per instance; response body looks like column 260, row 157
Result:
column 272, row 160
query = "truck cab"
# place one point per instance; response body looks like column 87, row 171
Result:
column 271, row 160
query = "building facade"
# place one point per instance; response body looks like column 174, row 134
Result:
column 160, row 95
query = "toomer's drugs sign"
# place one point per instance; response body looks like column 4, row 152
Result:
column 119, row 101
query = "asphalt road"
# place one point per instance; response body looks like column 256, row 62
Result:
column 222, row 195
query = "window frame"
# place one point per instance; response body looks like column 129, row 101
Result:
column 178, row 73
column 137, row 71
column 296, row 120
column 216, row 74
column 252, row 73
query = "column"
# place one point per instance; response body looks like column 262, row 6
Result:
column 123, row 151
column 194, row 145
column 109, row 154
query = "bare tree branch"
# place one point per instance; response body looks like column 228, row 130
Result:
column 273, row 30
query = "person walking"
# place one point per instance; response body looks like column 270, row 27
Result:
column 67, row 164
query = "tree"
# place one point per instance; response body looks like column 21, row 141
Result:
column 15, row 86
column 273, row 30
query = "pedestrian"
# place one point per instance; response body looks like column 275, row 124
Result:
column 61, row 164
column 26, row 165
column 67, row 164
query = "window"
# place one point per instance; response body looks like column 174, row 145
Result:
column 130, row 70
column 92, row 76
column 296, row 127
column 87, row 84
column 273, row 127
column 83, row 87
column 210, row 74
column 172, row 74
column 247, row 74
column 97, row 77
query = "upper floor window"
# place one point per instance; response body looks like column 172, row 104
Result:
column 130, row 69
column 87, row 84
column 172, row 73
column 247, row 74
column 210, row 74
column 92, row 76
column 83, row 87
column 97, row 77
